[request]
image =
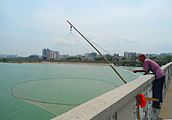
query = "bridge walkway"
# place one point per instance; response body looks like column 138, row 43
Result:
column 166, row 109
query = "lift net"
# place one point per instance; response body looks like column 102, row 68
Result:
column 59, row 87
column 62, row 87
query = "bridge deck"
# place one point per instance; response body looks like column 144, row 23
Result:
column 166, row 110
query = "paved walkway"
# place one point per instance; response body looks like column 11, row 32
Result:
column 166, row 110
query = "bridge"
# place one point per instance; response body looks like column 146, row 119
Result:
column 120, row 103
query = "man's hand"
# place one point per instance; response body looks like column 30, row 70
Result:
column 135, row 71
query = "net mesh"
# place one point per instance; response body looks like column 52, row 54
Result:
column 68, row 85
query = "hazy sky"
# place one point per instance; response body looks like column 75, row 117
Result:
column 28, row 26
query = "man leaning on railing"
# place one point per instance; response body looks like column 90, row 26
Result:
column 157, row 84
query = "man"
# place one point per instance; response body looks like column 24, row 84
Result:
column 157, row 84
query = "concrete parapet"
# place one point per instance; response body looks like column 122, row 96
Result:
column 118, row 104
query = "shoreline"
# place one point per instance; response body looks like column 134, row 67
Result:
column 48, row 62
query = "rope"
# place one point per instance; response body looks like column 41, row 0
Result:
column 99, row 46
column 82, row 46
column 92, row 42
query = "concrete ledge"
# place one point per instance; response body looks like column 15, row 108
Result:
column 116, row 104
column 165, row 67
column 101, row 107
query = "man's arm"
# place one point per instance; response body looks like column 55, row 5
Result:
column 145, row 72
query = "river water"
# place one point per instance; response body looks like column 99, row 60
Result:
column 43, row 91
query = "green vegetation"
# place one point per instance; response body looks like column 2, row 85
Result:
column 21, row 60
column 161, row 60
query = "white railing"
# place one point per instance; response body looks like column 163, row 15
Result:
column 118, row 104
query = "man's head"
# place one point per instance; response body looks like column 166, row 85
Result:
column 142, row 58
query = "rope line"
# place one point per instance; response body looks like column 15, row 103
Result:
column 99, row 46
column 81, row 45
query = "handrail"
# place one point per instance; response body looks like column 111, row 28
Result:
column 165, row 67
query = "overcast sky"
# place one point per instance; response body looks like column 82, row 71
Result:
column 28, row 26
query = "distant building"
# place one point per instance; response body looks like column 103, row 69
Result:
column 49, row 54
column 91, row 56
column 54, row 55
column 152, row 56
column 116, row 56
column 165, row 54
column 130, row 55
column 108, row 56
column 45, row 53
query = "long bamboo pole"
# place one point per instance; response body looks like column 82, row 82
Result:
column 98, row 52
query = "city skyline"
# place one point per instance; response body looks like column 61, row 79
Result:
column 56, row 53
column 117, row 26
